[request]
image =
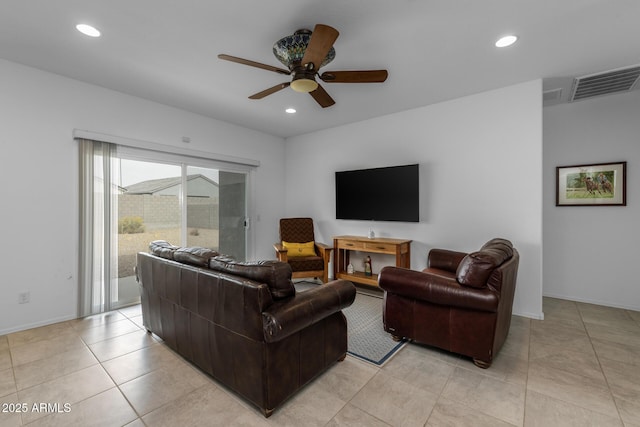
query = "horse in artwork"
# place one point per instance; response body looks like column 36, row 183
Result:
column 592, row 186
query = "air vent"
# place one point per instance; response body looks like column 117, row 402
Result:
column 552, row 95
column 614, row 81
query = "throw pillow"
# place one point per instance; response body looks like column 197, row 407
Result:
column 475, row 269
column 299, row 249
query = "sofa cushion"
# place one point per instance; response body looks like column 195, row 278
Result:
column 475, row 268
column 276, row 274
column 162, row 248
column 194, row 255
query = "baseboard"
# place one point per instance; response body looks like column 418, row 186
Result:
column 36, row 324
column 595, row 302
column 535, row 316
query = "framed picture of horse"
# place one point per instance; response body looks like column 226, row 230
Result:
column 599, row 184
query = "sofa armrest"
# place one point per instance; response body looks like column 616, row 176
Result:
column 444, row 259
column 289, row 316
column 436, row 289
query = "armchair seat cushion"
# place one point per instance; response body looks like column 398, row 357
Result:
column 306, row 263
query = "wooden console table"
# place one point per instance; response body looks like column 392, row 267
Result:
column 342, row 245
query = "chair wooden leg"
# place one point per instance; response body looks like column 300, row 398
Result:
column 481, row 363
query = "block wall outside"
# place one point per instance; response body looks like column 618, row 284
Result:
column 161, row 212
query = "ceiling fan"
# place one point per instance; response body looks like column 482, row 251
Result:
column 303, row 53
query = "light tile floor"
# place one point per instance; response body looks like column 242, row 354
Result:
column 578, row 367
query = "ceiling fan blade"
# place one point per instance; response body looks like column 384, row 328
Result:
column 253, row 64
column 322, row 97
column 322, row 38
column 269, row 91
column 367, row 76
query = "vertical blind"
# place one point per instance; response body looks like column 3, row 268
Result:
column 97, row 169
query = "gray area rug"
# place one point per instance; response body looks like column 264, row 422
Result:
column 367, row 339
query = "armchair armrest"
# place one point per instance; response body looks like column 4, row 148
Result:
column 444, row 259
column 281, row 252
column 436, row 289
column 289, row 316
column 323, row 247
column 323, row 250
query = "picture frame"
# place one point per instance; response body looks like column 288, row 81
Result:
column 598, row 184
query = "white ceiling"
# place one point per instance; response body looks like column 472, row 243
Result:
column 434, row 50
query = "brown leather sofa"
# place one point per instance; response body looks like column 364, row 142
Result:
column 460, row 303
column 243, row 322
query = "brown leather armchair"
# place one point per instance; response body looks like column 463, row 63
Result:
column 460, row 303
column 300, row 230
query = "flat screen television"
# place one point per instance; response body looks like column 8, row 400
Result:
column 379, row 194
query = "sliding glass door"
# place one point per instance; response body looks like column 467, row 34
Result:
column 139, row 198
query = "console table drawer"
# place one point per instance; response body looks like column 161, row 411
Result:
column 351, row 245
column 385, row 248
column 380, row 247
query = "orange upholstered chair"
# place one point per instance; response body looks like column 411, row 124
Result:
column 298, row 248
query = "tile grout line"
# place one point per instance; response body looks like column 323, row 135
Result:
column 613, row 398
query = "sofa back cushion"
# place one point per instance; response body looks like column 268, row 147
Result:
column 162, row 248
column 475, row 268
column 194, row 255
column 276, row 274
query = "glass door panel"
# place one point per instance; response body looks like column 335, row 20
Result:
column 233, row 214
column 149, row 208
column 202, row 208
column 216, row 210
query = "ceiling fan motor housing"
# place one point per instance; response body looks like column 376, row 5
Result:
column 290, row 49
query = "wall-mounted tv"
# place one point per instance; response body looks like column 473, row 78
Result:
column 379, row 194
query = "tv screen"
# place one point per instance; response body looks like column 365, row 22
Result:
column 379, row 194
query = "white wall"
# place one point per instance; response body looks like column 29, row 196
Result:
column 591, row 253
column 480, row 164
column 39, row 174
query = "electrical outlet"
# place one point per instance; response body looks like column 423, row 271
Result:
column 24, row 297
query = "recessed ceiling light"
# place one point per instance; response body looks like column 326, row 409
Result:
column 88, row 30
column 506, row 41
column 290, row 110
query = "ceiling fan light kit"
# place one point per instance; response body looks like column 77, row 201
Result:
column 303, row 53
column 303, row 84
